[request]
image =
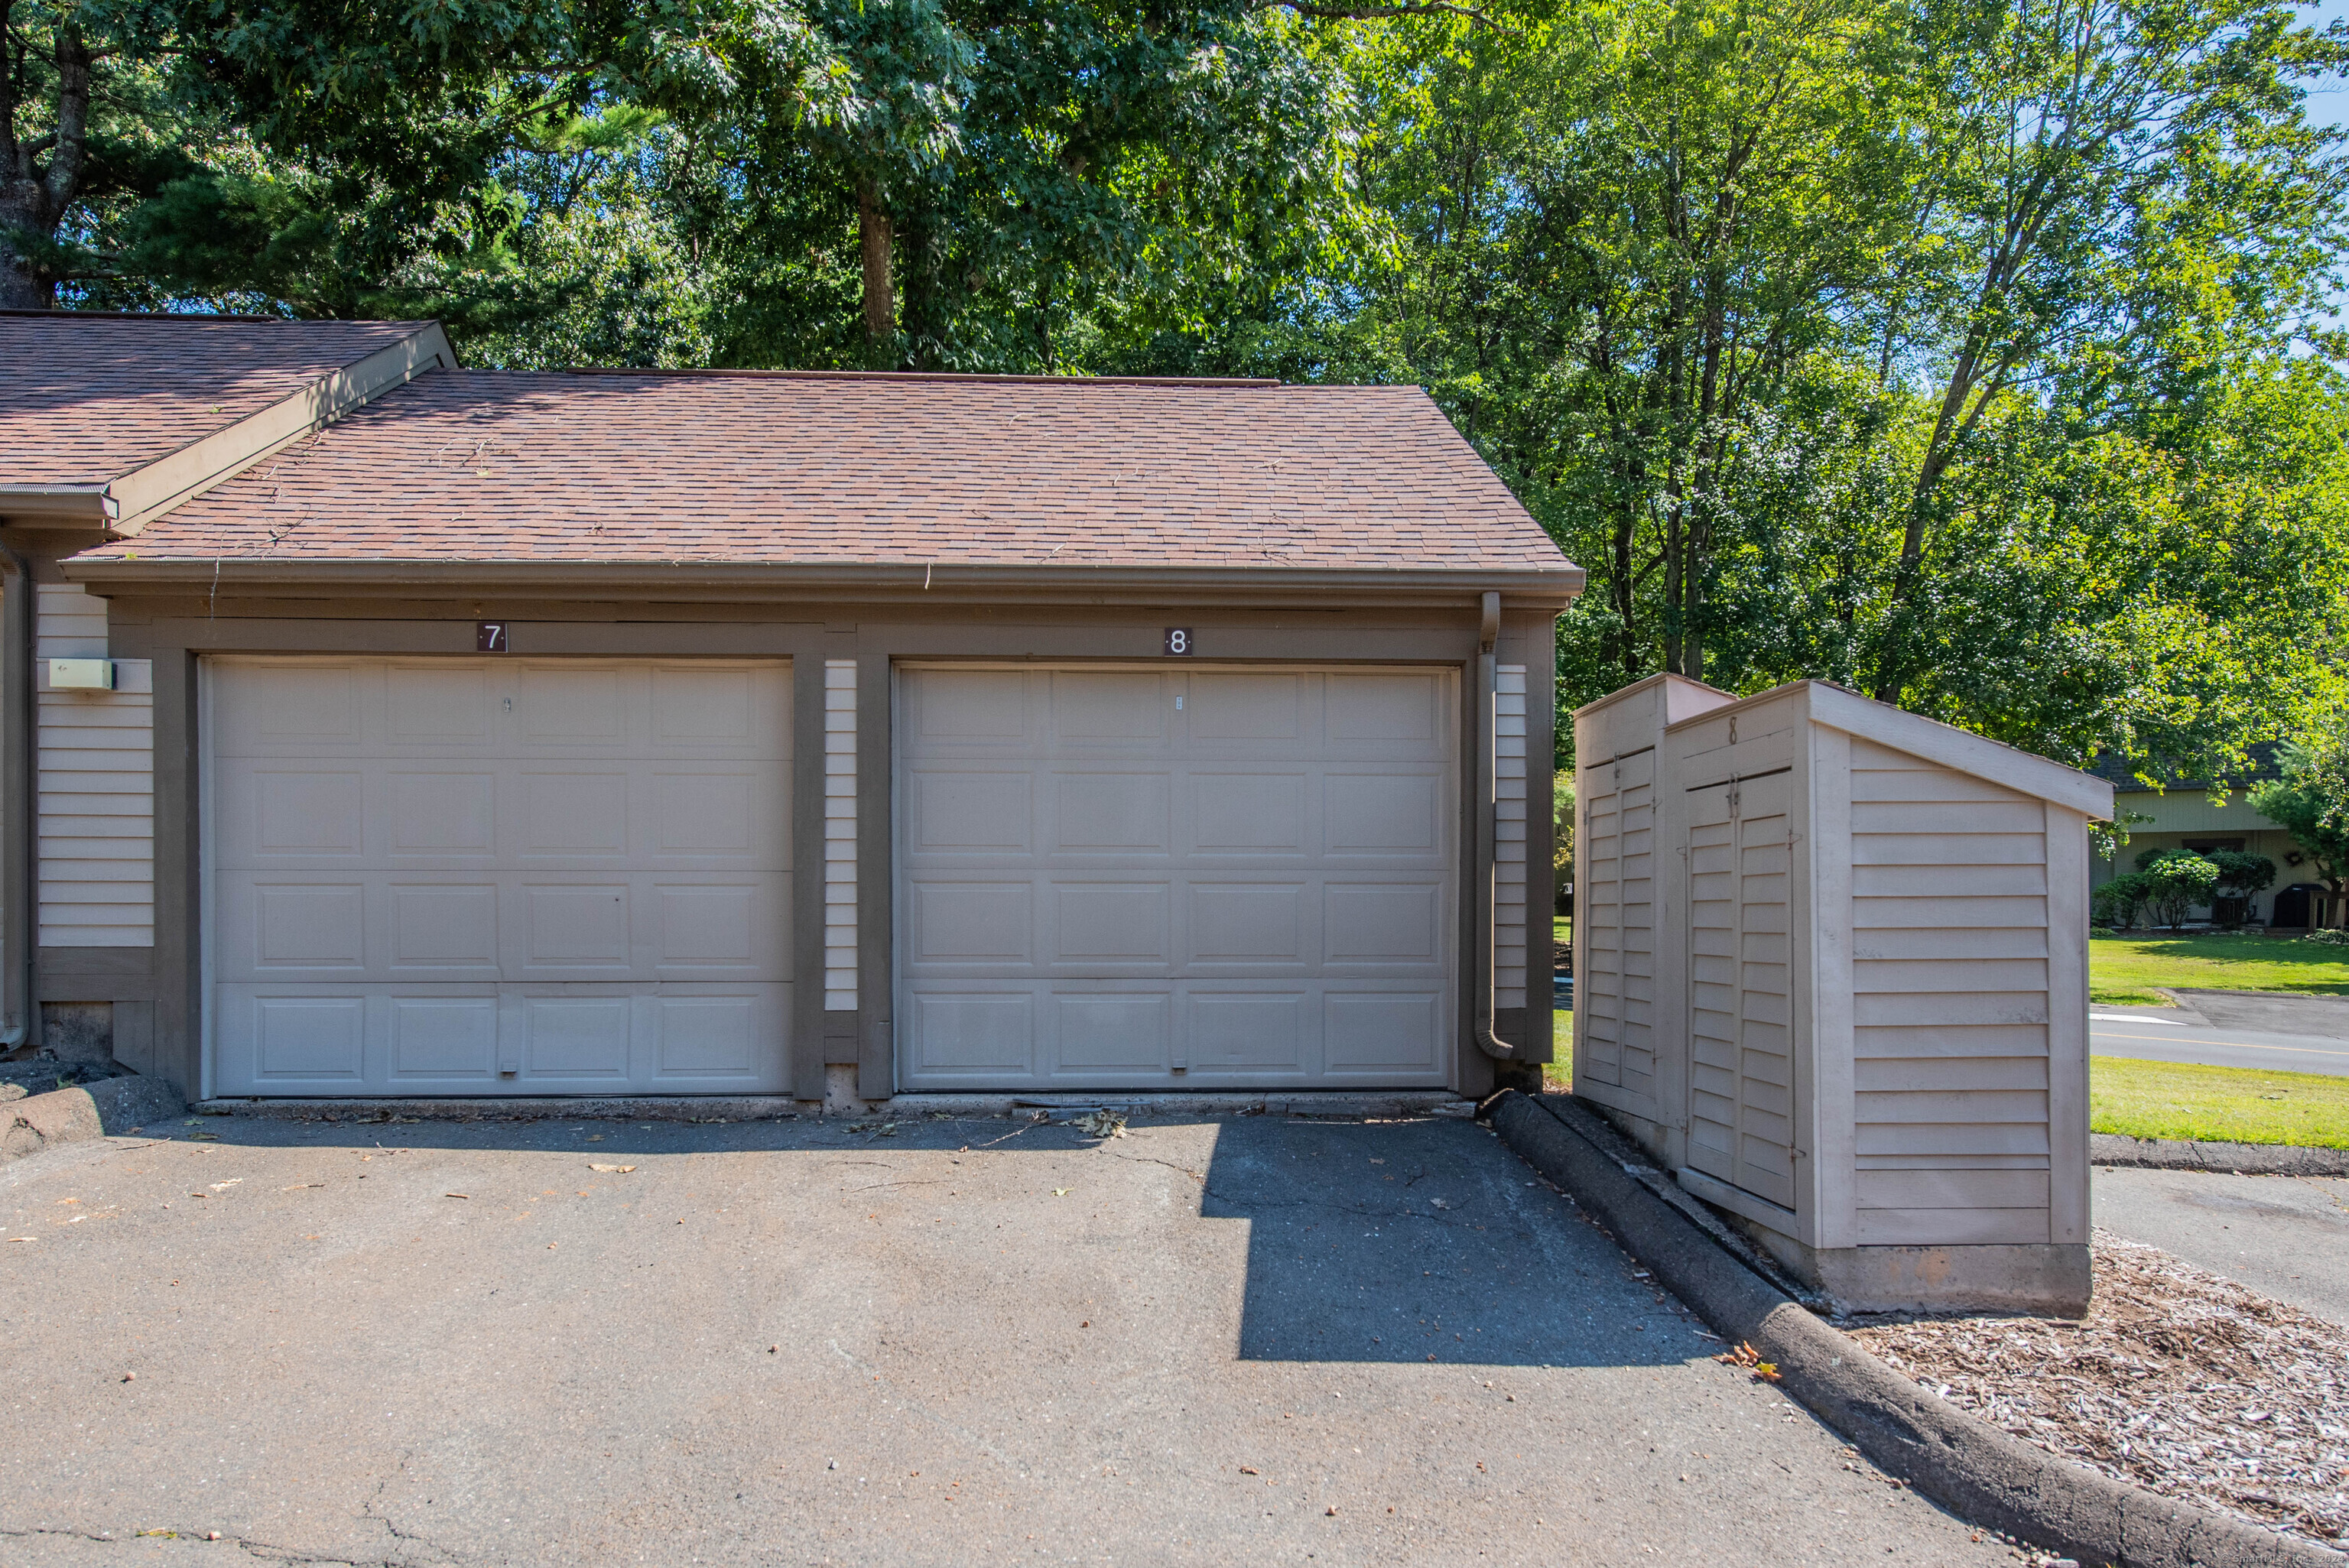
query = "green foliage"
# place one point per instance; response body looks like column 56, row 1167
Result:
column 2175, row 883
column 1562, row 819
column 1970, row 352
column 2241, row 874
column 2310, row 800
column 2118, row 902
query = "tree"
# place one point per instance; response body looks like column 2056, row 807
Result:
column 2309, row 798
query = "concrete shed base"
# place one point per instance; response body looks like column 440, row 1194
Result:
column 2045, row 1280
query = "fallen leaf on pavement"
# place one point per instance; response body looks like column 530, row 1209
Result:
column 1745, row 1356
column 1062, row 1192
column 613, row 1170
column 456, row 1194
column 299, row 1185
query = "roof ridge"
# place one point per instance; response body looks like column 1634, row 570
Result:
column 716, row 373
column 177, row 316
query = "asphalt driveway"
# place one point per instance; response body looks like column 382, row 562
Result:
column 1211, row 1340
column 2284, row 1236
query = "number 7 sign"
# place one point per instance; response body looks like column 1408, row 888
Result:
column 490, row 637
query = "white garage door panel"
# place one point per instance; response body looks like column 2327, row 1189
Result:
column 1171, row 878
column 492, row 875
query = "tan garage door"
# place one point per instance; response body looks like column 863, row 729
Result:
column 497, row 875
column 1175, row 878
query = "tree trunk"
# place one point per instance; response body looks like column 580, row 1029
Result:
column 21, row 286
column 873, row 238
column 34, row 201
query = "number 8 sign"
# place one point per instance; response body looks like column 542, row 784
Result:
column 1178, row 641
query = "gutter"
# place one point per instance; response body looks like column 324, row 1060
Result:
column 91, row 505
column 1488, row 827
column 866, row 581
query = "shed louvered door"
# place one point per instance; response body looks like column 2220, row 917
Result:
column 1614, row 996
column 1742, row 1085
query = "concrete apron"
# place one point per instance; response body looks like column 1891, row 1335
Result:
column 1246, row 1339
column 1369, row 1106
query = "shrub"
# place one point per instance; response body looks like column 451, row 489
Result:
column 2120, row 901
column 2176, row 883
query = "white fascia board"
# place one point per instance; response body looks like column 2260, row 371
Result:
column 145, row 494
column 1959, row 749
column 1684, row 697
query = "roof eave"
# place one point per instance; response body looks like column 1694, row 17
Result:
column 1522, row 587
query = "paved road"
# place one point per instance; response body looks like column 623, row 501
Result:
column 2284, row 1236
column 1245, row 1339
column 2142, row 1032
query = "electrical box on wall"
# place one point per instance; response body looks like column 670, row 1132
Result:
column 81, row 675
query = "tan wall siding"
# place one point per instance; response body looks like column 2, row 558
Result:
column 1509, row 913
column 95, row 788
column 839, row 835
column 1950, row 961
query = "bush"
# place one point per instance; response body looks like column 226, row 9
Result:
column 2241, row 874
column 2177, row 881
column 2336, row 937
column 2118, row 902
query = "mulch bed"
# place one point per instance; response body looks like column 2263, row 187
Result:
column 2179, row 1381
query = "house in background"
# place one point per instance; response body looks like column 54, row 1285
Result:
column 2183, row 816
column 375, row 727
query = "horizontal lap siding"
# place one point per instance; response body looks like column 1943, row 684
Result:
column 1510, row 932
column 1950, row 962
column 94, row 791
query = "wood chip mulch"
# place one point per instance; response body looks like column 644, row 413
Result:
column 2178, row 1380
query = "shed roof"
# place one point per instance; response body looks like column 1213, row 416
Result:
column 87, row 398
column 555, row 469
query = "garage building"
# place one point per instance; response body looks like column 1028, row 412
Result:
column 438, row 732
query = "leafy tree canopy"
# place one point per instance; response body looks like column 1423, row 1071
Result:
column 1973, row 354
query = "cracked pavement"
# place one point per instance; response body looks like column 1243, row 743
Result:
column 1210, row 1340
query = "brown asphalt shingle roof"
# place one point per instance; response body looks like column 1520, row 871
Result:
column 85, row 399
column 485, row 465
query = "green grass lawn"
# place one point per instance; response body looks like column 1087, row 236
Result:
column 2225, row 1104
column 1558, row 1076
column 2163, row 1099
column 2124, row 970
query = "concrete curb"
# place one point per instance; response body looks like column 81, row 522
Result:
column 2250, row 1159
column 114, row 1105
column 1977, row 1471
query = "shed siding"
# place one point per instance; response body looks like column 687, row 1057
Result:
column 1510, row 838
column 839, row 835
column 96, row 787
column 1950, row 961
column 1615, row 977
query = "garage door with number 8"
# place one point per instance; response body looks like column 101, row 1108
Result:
column 1165, row 878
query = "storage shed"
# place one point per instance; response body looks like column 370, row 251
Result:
column 1832, row 972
